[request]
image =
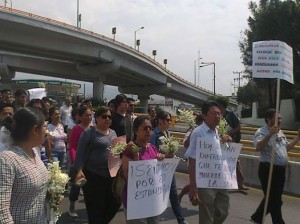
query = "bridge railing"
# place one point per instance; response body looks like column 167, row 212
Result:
column 102, row 37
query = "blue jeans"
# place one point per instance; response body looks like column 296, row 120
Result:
column 58, row 156
column 175, row 202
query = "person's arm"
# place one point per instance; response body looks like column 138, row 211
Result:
column 295, row 140
column 125, row 164
column 82, row 148
column 7, row 175
column 262, row 140
column 193, row 195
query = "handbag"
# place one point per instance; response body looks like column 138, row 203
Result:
column 118, row 185
column 74, row 170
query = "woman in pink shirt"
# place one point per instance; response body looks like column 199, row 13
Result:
column 85, row 117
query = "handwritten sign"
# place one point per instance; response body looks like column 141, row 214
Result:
column 272, row 59
column 149, row 183
column 216, row 164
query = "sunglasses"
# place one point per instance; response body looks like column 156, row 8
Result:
column 105, row 117
column 148, row 128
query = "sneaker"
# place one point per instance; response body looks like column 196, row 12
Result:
column 73, row 214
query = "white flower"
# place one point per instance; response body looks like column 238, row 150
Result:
column 135, row 148
column 186, row 116
column 222, row 126
column 169, row 146
column 56, row 187
column 118, row 148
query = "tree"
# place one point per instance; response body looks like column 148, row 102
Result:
column 273, row 20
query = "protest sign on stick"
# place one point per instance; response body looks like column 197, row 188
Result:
column 216, row 164
column 149, row 183
column 272, row 59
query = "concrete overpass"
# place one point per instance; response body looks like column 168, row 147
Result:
column 39, row 45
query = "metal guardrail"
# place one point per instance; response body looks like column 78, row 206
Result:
column 248, row 144
column 102, row 37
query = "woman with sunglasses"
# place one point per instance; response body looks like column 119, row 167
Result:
column 142, row 131
column 100, row 202
column 163, row 120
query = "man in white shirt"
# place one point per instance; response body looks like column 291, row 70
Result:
column 65, row 112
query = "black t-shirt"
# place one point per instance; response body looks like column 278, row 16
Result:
column 233, row 121
column 118, row 124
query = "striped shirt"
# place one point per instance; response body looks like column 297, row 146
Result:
column 23, row 186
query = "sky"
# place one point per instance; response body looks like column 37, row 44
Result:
column 179, row 30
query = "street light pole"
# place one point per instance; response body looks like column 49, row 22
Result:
column 135, row 35
column 214, row 72
column 195, row 69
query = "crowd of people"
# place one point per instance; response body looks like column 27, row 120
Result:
column 36, row 132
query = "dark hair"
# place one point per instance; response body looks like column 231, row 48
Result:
column 199, row 119
column 74, row 113
column 138, row 121
column 150, row 108
column 100, row 111
column 207, row 105
column 111, row 102
column 119, row 99
column 270, row 113
column 19, row 92
column 82, row 109
column 5, row 91
column 4, row 105
column 33, row 101
column 161, row 115
column 23, row 121
column 51, row 112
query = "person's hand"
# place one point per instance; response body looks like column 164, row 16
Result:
column 160, row 156
column 274, row 129
column 134, row 154
column 226, row 138
column 193, row 195
column 79, row 175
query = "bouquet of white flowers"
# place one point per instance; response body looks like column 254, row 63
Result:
column 222, row 127
column 186, row 116
column 117, row 149
column 56, row 188
column 169, row 145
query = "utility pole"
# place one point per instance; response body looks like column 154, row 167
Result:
column 239, row 78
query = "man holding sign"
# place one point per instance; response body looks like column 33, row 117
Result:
column 213, row 199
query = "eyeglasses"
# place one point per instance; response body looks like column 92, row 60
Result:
column 148, row 128
column 105, row 117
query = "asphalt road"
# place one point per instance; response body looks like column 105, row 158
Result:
column 242, row 206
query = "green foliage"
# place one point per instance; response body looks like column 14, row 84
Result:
column 97, row 102
column 272, row 20
column 248, row 94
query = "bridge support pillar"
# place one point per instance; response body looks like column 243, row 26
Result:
column 144, row 102
column 6, row 74
column 98, row 90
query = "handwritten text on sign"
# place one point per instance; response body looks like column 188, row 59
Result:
column 149, row 183
column 216, row 164
column 272, row 59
